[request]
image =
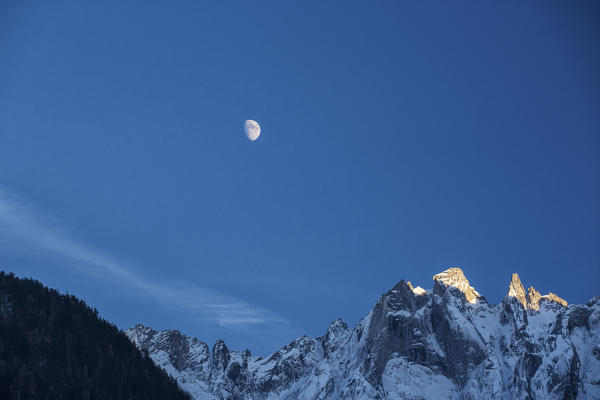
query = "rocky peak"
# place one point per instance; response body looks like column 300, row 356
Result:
column 407, row 345
column 337, row 326
column 516, row 290
column 141, row 328
column 552, row 297
column 454, row 277
column 534, row 298
column 140, row 334
column 334, row 336
column 292, row 361
column 400, row 297
column 220, row 355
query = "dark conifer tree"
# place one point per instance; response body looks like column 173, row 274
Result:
column 54, row 346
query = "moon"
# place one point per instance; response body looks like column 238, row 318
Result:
column 252, row 129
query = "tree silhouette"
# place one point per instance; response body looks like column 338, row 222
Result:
column 53, row 346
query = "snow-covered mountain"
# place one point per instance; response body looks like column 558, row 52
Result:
column 443, row 343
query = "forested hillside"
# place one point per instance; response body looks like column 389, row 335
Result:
column 53, row 346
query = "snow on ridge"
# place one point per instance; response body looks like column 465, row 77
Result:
column 419, row 291
column 412, row 344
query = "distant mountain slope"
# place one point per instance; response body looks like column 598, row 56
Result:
column 442, row 343
column 53, row 346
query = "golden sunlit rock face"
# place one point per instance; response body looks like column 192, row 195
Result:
column 516, row 290
column 552, row 297
column 456, row 278
column 530, row 300
column 534, row 298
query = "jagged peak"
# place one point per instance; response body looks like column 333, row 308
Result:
column 220, row 355
column 335, row 334
column 530, row 300
column 533, row 297
column 553, row 297
column 141, row 332
column 335, row 329
column 337, row 325
column 401, row 286
column 141, row 327
column 516, row 290
column 220, row 346
column 456, row 278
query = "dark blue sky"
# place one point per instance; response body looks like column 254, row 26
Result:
column 398, row 139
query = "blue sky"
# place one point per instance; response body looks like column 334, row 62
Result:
column 398, row 139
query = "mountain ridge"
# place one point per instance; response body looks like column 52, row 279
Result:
column 447, row 342
column 53, row 346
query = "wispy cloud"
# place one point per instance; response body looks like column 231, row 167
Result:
column 26, row 226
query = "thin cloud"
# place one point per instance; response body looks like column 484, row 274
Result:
column 25, row 226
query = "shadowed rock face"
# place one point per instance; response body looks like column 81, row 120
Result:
column 579, row 317
column 221, row 356
column 393, row 330
column 444, row 343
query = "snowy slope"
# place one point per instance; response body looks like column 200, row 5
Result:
column 443, row 343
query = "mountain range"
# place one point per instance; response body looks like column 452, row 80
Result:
column 446, row 342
